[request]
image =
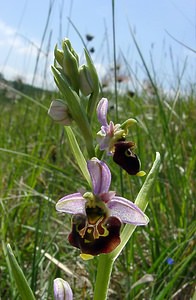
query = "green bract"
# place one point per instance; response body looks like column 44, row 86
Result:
column 70, row 65
column 86, row 85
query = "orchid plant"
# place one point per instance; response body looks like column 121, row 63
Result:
column 98, row 214
column 102, row 221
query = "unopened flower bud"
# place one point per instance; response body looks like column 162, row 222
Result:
column 58, row 111
column 67, row 41
column 86, row 84
column 70, row 64
column 59, row 56
column 62, row 290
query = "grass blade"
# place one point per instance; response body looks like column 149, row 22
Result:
column 21, row 282
column 163, row 294
column 78, row 154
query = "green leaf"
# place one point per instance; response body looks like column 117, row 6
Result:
column 21, row 282
column 142, row 202
column 143, row 195
column 78, row 154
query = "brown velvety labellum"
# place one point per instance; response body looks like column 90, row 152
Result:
column 125, row 158
column 101, row 244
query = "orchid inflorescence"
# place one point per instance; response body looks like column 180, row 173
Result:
column 98, row 214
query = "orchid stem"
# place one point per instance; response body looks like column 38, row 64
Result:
column 104, row 271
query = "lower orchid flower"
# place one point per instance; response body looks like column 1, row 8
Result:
column 98, row 215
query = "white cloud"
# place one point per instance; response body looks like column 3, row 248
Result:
column 6, row 30
column 9, row 38
column 11, row 73
column 18, row 56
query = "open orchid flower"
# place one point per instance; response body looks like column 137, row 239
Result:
column 97, row 216
column 110, row 133
column 112, row 139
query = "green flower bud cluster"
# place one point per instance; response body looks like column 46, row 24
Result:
column 75, row 82
column 80, row 78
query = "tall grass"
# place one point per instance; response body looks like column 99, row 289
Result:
column 37, row 168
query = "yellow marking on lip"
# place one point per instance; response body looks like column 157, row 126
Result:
column 141, row 173
column 86, row 241
column 86, row 256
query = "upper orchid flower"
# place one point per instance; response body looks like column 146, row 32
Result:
column 110, row 133
column 112, row 139
column 98, row 216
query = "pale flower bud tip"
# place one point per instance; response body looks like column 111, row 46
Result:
column 62, row 290
column 58, row 111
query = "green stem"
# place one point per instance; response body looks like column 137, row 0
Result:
column 103, row 277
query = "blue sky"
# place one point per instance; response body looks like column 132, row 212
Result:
column 22, row 26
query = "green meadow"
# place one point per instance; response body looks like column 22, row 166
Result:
column 38, row 168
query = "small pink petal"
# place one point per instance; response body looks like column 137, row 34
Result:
column 102, row 109
column 100, row 176
column 72, row 204
column 112, row 128
column 106, row 197
column 127, row 211
column 104, row 142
